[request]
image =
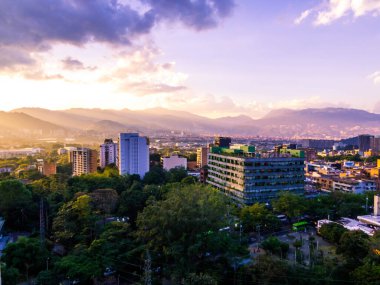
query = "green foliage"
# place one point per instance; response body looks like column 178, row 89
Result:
column 367, row 274
column 192, row 156
column 155, row 176
column 354, row 245
column 290, row 204
column 104, row 200
column 79, row 265
column 337, row 204
column 332, row 232
column 356, row 158
column 26, row 255
column 47, row 278
column 10, row 275
column 116, row 247
column 15, row 198
column 184, row 228
column 176, row 174
column 258, row 215
column 189, row 180
column 91, row 182
column 275, row 246
column 65, row 168
column 75, row 222
column 32, row 174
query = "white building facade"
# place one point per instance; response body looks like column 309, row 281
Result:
column 174, row 161
column 133, row 154
column 108, row 153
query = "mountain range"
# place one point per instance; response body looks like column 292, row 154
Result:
column 311, row 123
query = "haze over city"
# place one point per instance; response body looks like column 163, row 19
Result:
column 212, row 58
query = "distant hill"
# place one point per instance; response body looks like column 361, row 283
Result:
column 21, row 123
column 324, row 122
column 338, row 122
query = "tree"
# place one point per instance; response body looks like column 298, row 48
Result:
column 26, row 255
column 156, row 176
column 132, row 201
column 176, row 174
column 354, row 245
column 258, row 215
column 75, row 221
column 367, row 274
column 189, row 180
column 116, row 248
column 290, row 204
column 79, row 265
column 104, row 200
column 15, row 199
column 275, row 246
column 183, row 229
column 332, row 232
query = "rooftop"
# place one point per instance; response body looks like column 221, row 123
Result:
column 370, row 219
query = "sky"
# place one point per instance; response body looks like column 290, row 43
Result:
column 210, row 57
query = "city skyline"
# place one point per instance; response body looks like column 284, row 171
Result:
column 213, row 58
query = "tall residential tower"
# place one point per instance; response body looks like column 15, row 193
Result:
column 133, row 154
column 108, row 153
column 84, row 161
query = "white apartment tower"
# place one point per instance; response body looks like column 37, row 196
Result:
column 108, row 153
column 133, row 154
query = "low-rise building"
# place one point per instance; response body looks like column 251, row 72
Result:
column 354, row 186
column 374, row 219
column 46, row 168
column 9, row 153
column 174, row 161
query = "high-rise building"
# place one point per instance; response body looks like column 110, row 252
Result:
column 133, row 154
column 376, row 144
column 365, row 143
column 222, row 142
column 202, row 153
column 84, row 161
column 317, row 144
column 108, row 153
column 249, row 177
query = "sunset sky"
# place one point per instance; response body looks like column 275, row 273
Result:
column 210, row 57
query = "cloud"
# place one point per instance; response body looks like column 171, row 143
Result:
column 332, row 10
column 12, row 58
column 199, row 14
column 137, row 73
column 37, row 25
column 375, row 77
column 75, row 64
column 302, row 17
column 376, row 108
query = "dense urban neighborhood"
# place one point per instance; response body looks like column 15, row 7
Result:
column 136, row 210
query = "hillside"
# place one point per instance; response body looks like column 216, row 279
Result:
column 324, row 122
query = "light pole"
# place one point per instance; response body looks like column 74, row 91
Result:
column 258, row 229
column 366, row 205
